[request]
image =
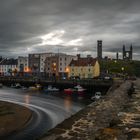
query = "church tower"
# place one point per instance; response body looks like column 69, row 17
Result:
column 123, row 52
column 131, row 52
column 99, row 49
column 127, row 55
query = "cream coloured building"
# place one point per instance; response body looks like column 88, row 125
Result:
column 84, row 67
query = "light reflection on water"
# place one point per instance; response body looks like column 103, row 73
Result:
column 68, row 103
column 26, row 96
column 27, row 99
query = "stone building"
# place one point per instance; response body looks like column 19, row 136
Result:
column 99, row 49
column 127, row 55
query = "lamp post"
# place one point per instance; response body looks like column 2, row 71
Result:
column 123, row 72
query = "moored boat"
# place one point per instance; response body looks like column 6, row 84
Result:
column 68, row 91
column 16, row 85
column 51, row 89
column 97, row 96
column 35, row 87
column 77, row 89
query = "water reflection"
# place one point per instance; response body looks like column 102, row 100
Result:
column 27, row 99
column 68, row 103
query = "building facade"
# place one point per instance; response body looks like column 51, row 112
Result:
column 8, row 67
column 84, row 68
column 99, row 49
column 127, row 55
column 57, row 65
column 23, row 64
column 37, row 63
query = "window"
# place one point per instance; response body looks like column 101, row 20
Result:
column 90, row 75
column 36, row 55
column 60, row 59
column 60, row 64
column 60, row 69
column 89, row 70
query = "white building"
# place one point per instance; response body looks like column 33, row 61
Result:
column 23, row 64
column 8, row 67
column 37, row 62
column 43, row 57
column 57, row 64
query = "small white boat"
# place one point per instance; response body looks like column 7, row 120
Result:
column 79, row 89
column 16, row 85
column 97, row 96
column 36, row 87
column 51, row 89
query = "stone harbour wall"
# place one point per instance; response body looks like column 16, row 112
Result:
column 99, row 120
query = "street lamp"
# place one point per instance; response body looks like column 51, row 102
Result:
column 122, row 68
column 123, row 72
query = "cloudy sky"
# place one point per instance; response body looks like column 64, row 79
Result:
column 69, row 26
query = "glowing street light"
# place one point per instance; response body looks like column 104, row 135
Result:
column 67, row 70
column 122, row 68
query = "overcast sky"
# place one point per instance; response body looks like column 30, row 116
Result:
column 69, row 26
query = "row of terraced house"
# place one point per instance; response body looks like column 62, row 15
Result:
column 50, row 65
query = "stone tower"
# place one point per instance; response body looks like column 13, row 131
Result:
column 99, row 49
column 117, row 56
column 131, row 52
column 127, row 55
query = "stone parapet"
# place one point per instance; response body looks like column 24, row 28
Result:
column 97, row 117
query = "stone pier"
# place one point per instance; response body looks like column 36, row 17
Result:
column 115, row 117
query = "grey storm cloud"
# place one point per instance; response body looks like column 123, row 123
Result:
column 29, row 26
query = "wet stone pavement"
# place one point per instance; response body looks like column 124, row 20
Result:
column 115, row 117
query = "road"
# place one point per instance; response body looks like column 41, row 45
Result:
column 48, row 111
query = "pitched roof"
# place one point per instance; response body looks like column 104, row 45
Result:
column 9, row 62
column 83, row 62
